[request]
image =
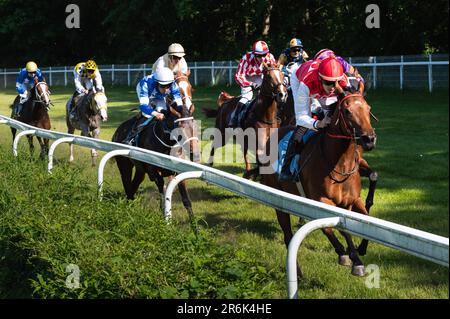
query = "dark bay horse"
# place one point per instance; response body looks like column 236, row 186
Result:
column 158, row 136
column 90, row 111
column 35, row 113
column 261, row 117
column 330, row 174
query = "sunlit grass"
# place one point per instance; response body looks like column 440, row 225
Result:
column 411, row 158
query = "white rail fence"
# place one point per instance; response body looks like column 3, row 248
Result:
column 409, row 71
column 412, row 241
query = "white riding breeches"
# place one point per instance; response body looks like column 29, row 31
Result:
column 247, row 92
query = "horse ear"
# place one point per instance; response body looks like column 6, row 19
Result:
column 188, row 72
column 265, row 65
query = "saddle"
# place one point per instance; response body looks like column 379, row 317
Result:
column 282, row 148
column 243, row 114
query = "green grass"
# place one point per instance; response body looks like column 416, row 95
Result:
column 113, row 241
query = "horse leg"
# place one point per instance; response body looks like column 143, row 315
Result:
column 358, row 266
column 13, row 131
column 125, row 166
column 43, row 142
column 187, row 203
column 366, row 171
column 71, row 130
column 343, row 258
column 94, row 154
column 30, row 142
column 284, row 219
column 159, row 181
column 138, row 178
column 358, row 207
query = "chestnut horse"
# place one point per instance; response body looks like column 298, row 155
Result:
column 35, row 113
column 329, row 170
column 186, row 90
column 261, row 117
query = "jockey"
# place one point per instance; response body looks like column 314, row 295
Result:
column 349, row 70
column 173, row 59
column 152, row 91
column 294, row 53
column 313, row 89
column 86, row 77
column 249, row 74
column 27, row 78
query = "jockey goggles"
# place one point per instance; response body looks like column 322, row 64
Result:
column 328, row 83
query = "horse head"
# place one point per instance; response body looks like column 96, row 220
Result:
column 273, row 83
column 351, row 119
column 99, row 104
column 42, row 93
column 185, row 131
column 185, row 86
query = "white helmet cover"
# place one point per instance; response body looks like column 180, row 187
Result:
column 164, row 76
column 176, row 49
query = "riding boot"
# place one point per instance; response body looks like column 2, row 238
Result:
column 136, row 129
column 295, row 147
column 235, row 119
column 17, row 110
column 72, row 111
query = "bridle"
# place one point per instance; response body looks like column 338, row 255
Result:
column 273, row 93
column 349, row 133
column 40, row 97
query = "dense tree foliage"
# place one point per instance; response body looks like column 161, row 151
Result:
column 138, row 31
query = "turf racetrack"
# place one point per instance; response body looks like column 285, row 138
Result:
column 124, row 250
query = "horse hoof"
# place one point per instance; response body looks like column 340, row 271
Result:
column 358, row 271
column 345, row 260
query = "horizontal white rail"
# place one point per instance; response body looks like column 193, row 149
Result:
column 415, row 242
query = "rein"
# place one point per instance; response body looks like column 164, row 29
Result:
column 352, row 137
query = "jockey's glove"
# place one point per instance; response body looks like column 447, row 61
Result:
column 255, row 86
column 323, row 123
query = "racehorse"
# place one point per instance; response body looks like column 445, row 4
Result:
column 157, row 136
column 35, row 112
column 261, row 117
column 329, row 170
column 186, row 90
column 90, row 111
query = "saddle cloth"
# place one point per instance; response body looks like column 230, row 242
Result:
column 243, row 114
column 282, row 148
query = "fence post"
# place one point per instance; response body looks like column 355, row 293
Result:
column 212, row 73
column 5, row 78
column 50, row 76
column 374, row 73
column 229, row 74
column 145, row 69
column 430, row 74
column 195, row 73
column 112, row 74
column 65, row 76
column 128, row 76
column 401, row 72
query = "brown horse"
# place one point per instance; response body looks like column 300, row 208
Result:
column 329, row 172
column 35, row 113
column 186, row 90
column 261, row 117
